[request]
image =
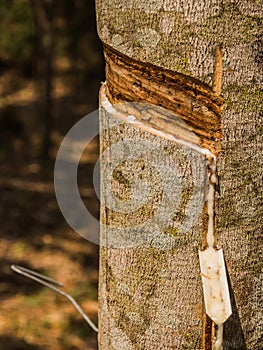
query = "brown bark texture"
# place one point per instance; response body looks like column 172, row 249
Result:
column 150, row 294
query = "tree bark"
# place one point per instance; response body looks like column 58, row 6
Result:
column 44, row 25
column 150, row 294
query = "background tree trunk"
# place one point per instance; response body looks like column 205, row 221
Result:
column 43, row 15
column 150, row 296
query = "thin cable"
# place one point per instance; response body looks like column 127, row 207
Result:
column 42, row 280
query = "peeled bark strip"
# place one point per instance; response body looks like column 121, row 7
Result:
column 151, row 298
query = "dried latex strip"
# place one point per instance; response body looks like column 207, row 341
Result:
column 213, row 270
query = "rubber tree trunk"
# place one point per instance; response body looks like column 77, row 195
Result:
column 150, row 294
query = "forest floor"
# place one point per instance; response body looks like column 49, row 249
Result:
column 33, row 232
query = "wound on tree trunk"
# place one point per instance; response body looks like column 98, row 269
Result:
column 184, row 97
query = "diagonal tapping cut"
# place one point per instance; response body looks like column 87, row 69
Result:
column 193, row 101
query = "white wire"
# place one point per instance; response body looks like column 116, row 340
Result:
column 42, row 280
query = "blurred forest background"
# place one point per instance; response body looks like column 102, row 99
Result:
column 51, row 67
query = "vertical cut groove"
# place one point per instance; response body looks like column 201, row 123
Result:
column 208, row 326
column 218, row 71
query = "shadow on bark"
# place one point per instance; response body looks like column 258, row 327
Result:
column 233, row 333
